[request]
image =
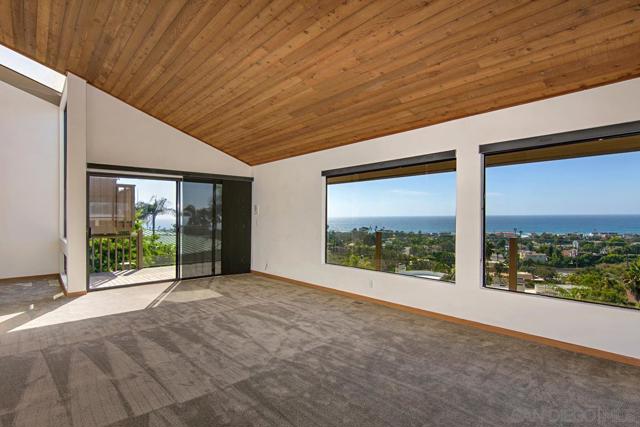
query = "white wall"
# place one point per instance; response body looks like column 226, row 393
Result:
column 119, row 134
column 288, row 234
column 28, row 184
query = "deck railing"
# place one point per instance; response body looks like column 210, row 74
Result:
column 508, row 275
column 116, row 252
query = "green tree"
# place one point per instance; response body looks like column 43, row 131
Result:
column 500, row 268
column 595, row 285
column 451, row 275
column 548, row 273
column 631, row 279
column 150, row 211
column 489, row 249
column 613, row 259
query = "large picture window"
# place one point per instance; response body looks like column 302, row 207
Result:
column 564, row 221
column 396, row 219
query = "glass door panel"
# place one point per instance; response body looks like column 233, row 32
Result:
column 197, row 221
column 131, row 230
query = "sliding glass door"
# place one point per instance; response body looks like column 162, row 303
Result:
column 200, row 236
column 144, row 229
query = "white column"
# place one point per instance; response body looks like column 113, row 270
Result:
column 74, row 246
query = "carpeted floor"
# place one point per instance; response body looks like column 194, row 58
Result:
column 261, row 353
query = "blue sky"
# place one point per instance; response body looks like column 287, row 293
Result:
column 598, row 185
column 422, row 195
column 147, row 188
column 589, row 185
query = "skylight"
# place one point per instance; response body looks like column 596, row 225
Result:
column 32, row 69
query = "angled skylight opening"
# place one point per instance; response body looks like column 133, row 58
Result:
column 32, row 69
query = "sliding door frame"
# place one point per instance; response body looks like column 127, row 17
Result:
column 108, row 170
column 176, row 180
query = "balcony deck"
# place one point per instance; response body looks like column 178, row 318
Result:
column 131, row 277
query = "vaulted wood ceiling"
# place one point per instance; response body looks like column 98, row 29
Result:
column 265, row 80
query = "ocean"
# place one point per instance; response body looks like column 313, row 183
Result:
column 557, row 224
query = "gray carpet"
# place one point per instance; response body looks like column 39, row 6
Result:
column 267, row 353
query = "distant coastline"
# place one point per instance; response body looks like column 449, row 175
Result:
column 556, row 224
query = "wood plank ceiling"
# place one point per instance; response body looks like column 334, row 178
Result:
column 270, row 79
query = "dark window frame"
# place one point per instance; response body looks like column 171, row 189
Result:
column 382, row 168
column 603, row 134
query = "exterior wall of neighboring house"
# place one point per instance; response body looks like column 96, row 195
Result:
column 533, row 256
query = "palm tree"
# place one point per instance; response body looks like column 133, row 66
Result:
column 489, row 248
column 631, row 280
column 151, row 210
